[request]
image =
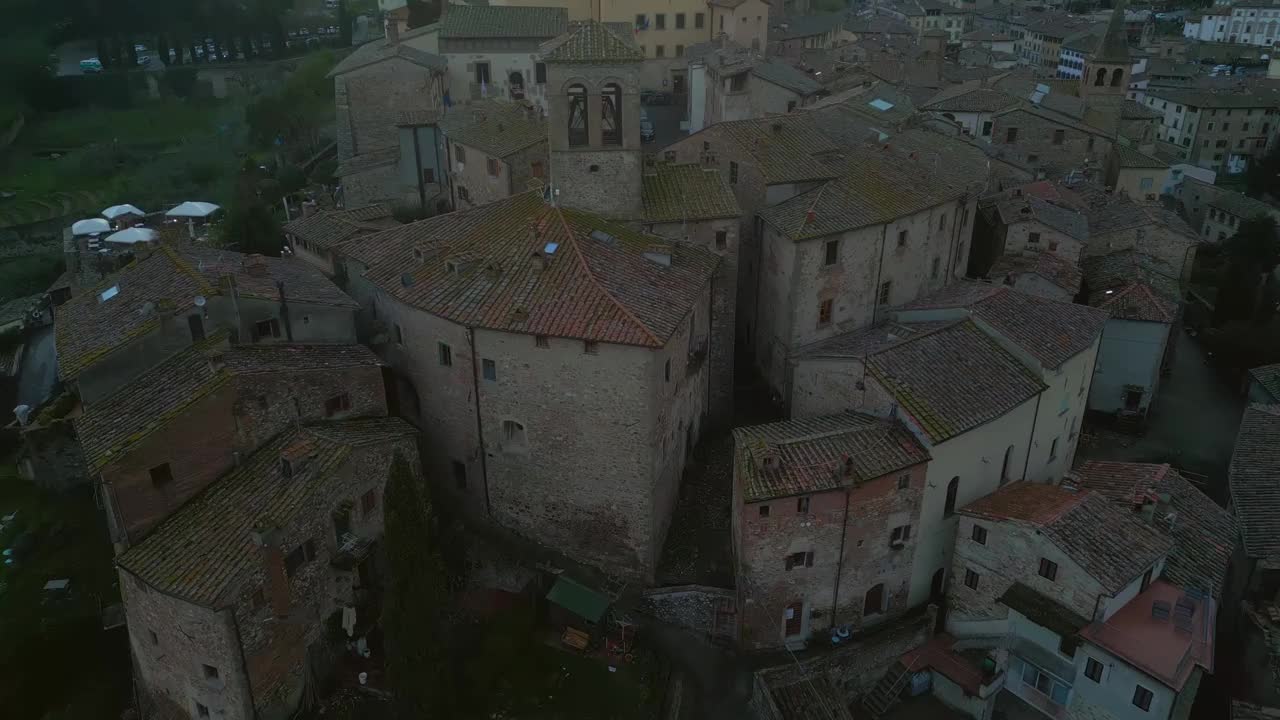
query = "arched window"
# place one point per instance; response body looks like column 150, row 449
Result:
column 1101, row 78
column 953, row 487
column 873, row 603
column 1117, row 75
column 578, row 124
column 1004, row 469
column 611, row 114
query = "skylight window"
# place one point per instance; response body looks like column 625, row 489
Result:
column 109, row 293
column 551, row 248
column 881, row 105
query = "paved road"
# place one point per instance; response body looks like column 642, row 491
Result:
column 39, row 371
column 70, row 54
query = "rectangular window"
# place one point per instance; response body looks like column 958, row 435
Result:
column 986, row 129
column 979, row 535
column 590, row 347
column 202, row 711
column 399, row 335
column 802, row 505
column 886, row 289
column 722, row 239
column 733, row 173
column 537, row 169
column 824, row 312
column 764, row 511
column 428, row 176
column 299, row 557
column 446, row 355
column 738, row 83
column 832, row 252
column 937, row 267
column 1033, row 238
column 1011, row 135
column 541, row 341
column 495, row 167
column 460, row 154
column 900, row 535
column 1048, row 569
column 667, row 371
column 161, row 475
column 1059, row 136
column 1093, row 670
column 902, row 238
column 971, row 579
column 459, row 474
column 210, row 672
column 1142, row 698
column 1053, row 450
column 540, row 73
column 490, row 369
column 679, row 21
column 699, row 20
column 659, row 51
column 266, row 328
column 660, row 21
column 337, row 404
column 679, row 51
column 640, row 21
column 482, row 73
column 155, row 639
column 368, row 503
column 800, row 559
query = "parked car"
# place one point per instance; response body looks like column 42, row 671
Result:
column 91, row 65
column 646, row 131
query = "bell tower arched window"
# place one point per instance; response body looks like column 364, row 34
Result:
column 611, row 114
column 1100, row 79
column 578, row 123
column 1116, row 76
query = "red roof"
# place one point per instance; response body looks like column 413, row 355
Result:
column 1157, row 646
column 1027, row 501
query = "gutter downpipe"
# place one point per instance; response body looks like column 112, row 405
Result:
column 475, row 389
column 844, row 532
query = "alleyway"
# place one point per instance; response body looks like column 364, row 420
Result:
column 1193, row 427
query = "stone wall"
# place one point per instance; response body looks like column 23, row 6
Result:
column 693, row 607
column 50, row 456
column 1037, row 145
column 369, row 101
column 377, row 183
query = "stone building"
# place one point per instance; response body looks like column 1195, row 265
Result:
column 823, row 513
column 375, row 87
column 1026, row 224
column 230, row 599
column 992, row 382
column 971, row 108
column 1135, row 174
column 729, row 82
column 1149, row 228
column 1228, row 209
column 1221, row 130
column 178, row 296
column 161, row 439
column 313, row 236
column 742, row 22
column 494, row 150
column 791, row 35
column 492, row 51
column 1055, row 143
column 1039, row 273
column 1244, row 23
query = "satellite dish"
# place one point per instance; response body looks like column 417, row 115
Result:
column 199, row 301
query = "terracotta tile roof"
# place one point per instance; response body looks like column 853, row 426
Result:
column 503, row 21
column 496, row 128
column 1065, row 220
column 810, row 699
column 977, row 99
column 956, row 295
column 871, row 340
column 953, row 379
column 814, row 454
column 1135, row 301
column 520, row 265
column 327, row 228
column 786, row 76
column 1060, row 272
column 378, row 50
column 878, row 188
column 782, row 147
column 116, row 424
column 1204, row 534
column 1121, row 213
column 1130, row 158
column 1268, row 377
column 673, row 193
column 203, row 551
column 1082, row 524
column 368, row 160
column 1254, row 476
column 1155, row 645
column 591, row 41
column 1243, row 206
column 1130, row 285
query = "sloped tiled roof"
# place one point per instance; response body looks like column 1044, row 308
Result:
column 953, row 379
column 521, row 265
column 368, row 161
column 977, row 99
column 798, row 26
column 870, row 340
column 1242, row 206
column 495, row 127
column 590, row 41
column 378, row 50
column 1268, row 376
column 1130, row 285
column 1060, row 272
column 1064, row 220
column 809, row 454
column 1254, row 476
column 503, row 21
column 1203, row 533
column 204, row 550
column 1082, row 524
column 1131, row 158
column 1121, row 213
column 782, row 147
column 786, row 76
column 673, row 193
column 326, row 228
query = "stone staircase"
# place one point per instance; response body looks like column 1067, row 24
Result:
column 888, row 691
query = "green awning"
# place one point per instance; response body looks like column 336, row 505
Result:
column 578, row 599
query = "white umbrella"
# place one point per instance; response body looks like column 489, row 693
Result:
column 91, row 226
column 116, row 211
column 133, row 235
column 191, row 209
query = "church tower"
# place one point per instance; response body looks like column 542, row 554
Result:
column 593, row 92
column 1106, row 70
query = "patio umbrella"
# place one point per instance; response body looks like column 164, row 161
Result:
column 133, row 235
column 192, row 209
column 91, row 226
column 116, row 211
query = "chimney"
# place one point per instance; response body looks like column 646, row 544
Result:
column 309, row 208
column 255, row 265
column 810, row 216
column 276, row 579
column 393, row 29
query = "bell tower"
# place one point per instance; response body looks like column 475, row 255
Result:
column 1106, row 70
column 593, row 93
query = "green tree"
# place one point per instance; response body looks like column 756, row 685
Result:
column 1263, row 176
column 250, row 226
column 1252, row 254
column 418, row 659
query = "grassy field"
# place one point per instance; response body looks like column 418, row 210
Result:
column 56, row 660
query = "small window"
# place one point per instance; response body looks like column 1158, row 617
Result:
column 513, row 433
column 461, row 153
column 298, row 557
column 495, row 167
column 540, row 73
column 699, row 20
column 155, row 639
column 979, row 535
column 1011, row 135
column 659, row 50
column 537, row 169
column 591, row 347
column 202, row 711
column 1033, row 158
column 1053, row 450
column 733, row 173
column 936, row 269
column 679, row 21
column 660, row 21
column 899, row 535
column 1059, row 136
column 799, row 559
column 824, row 312
column 886, row 290
column 832, row 252
column 764, row 511
column 459, row 474
column 337, row 404
column 904, row 481
column 722, row 239
column 640, row 20
column 802, row 505
column 1142, row 698
column 1033, row 238
column 541, row 341
column 942, row 222
column 428, row 176
column 161, row 475
column 266, row 329
column 399, row 335
column 953, row 488
column 196, row 324
column 902, row 238
column 210, row 672
column 1048, row 569
column 446, row 355
column 1093, row 670
column 368, row 503
column 971, row 579
column 490, row 369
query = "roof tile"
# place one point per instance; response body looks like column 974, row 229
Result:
column 674, row 193
column 1254, row 476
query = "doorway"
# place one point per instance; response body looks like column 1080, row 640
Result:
column 793, row 618
column 1132, row 399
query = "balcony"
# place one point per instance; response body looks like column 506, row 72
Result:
column 351, row 551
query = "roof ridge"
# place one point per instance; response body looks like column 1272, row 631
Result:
column 586, row 268
column 182, row 265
